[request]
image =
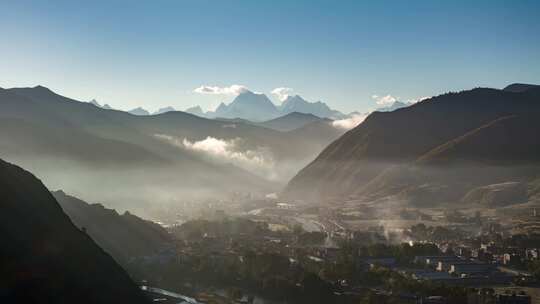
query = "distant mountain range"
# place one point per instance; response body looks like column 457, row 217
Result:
column 297, row 104
column 164, row 110
column 139, row 111
column 196, row 110
column 258, row 107
column 76, row 146
column 45, row 258
column 434, row 151
column 247, row 105
column 105, row 106
column 285, row 123
column 291, row 121
column 136, row 111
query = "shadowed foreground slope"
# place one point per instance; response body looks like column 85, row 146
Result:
column 44, row 258
column 123, row 236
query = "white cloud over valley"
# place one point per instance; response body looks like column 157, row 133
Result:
column 258, row 161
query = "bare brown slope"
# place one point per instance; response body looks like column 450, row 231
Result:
column 387, row 139
column 506, row 149
column 508, row 140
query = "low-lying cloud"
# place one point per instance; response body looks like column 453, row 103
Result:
column 282, row 93
column 258, row 161
column 234, row 89
column 349, row 123
column 228, row 150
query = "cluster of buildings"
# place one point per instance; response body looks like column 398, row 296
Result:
column 457, row 270
column 483, row 264
column 479, row 296
column 492, row 252
column 467, row 262
column 490, row 296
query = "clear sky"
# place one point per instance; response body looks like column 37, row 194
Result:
column 155, row 53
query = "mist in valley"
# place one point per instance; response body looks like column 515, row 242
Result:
column 151, row 190
column 270, row 152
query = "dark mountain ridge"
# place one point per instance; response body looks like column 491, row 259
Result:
column 289, row 122
column 388, row 139
column 520, row 87
column 123, row 236
column 45, row 258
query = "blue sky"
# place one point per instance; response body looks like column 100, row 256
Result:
column 155, row 53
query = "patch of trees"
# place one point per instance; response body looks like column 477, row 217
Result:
column 398, row 284
column 197, row 229
column 421, row 232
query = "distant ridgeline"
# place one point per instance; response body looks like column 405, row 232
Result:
column 258, row 108
column 59, row 138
